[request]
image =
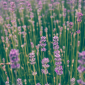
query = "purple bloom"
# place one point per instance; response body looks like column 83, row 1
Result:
column 7, row 83
column 59, row 84
column 43, row 38
column 72, row 81
column 80, row 81
column 19, row 81
column 45, row 71
column 32, row 59
column 68, row 61
column 14, row 58
column 78, row 31
column 40, row 5
column 19, row 28
column 81, row 67
column 28, row 5
column 15, row 65
column 43, row 43
column 83, row 83
column 5, row 5
column 32, row 45
column 58, row 72
column 57, row 55
column 45, row 65
column 43, row 49
column 45, row 60
column 83, row 52
column 34, row 73
column 79, row 17
column 12, row 6
column 32, row 54
column 38, row 84
column 47, row 84
column 58, row 69
column 70, row 24
column 81, row 61
column 46, row 29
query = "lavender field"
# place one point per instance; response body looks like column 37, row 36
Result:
column 42, row 42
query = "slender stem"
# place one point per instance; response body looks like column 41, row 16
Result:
column 15, row 76
column 60, row 79
column 38, row 61
column 57, row 80
column 77, row 51
column 45, row 75
column 43, row 54
column 34, row 75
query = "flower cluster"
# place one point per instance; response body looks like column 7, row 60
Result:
column 78, row 31
column 70, row 24
column 43, row 43
column 81, row 61
column 32, row 45
column 55, row 43
column 38, row 84
column 79, row 16
column 19, row 81
column 68, row 63
column 12, row 6
column 58, row 69
column 81, row 67
column 14, row 58
column 5, row 5
column 45, row 65
column 72, row 81
column 40, row 5
column 28, row 6
column 32, row 59
column 80, row 82
column 7, row 83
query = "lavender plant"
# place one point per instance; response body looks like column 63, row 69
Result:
column 50, row 38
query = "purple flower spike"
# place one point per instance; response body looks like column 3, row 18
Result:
column 72, row 81
column 47, row 84
column 7, row 83
column 80, row 81
column 14, row 58
column 38, row 84
column 28, row 5
column 43, row 43
column 81, row 67
column 32, row 45
column 32, row 59
column 45, row 60
column 5, row 5
column 59, row 84
column 40, row 5
column 45, row 65
column 19, row 81
column 79, row 17
column 81, row 61
column 58, row 69
column 70, row 24
column 12, row 6
column 78, row 31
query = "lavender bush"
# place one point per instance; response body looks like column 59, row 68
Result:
column 42, row 42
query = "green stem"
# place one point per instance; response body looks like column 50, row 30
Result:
column 57, row 80
column 34, row 75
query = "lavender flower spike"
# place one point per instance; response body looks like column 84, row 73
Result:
column 58, row 69
column 19, row 81
column 14, row 58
